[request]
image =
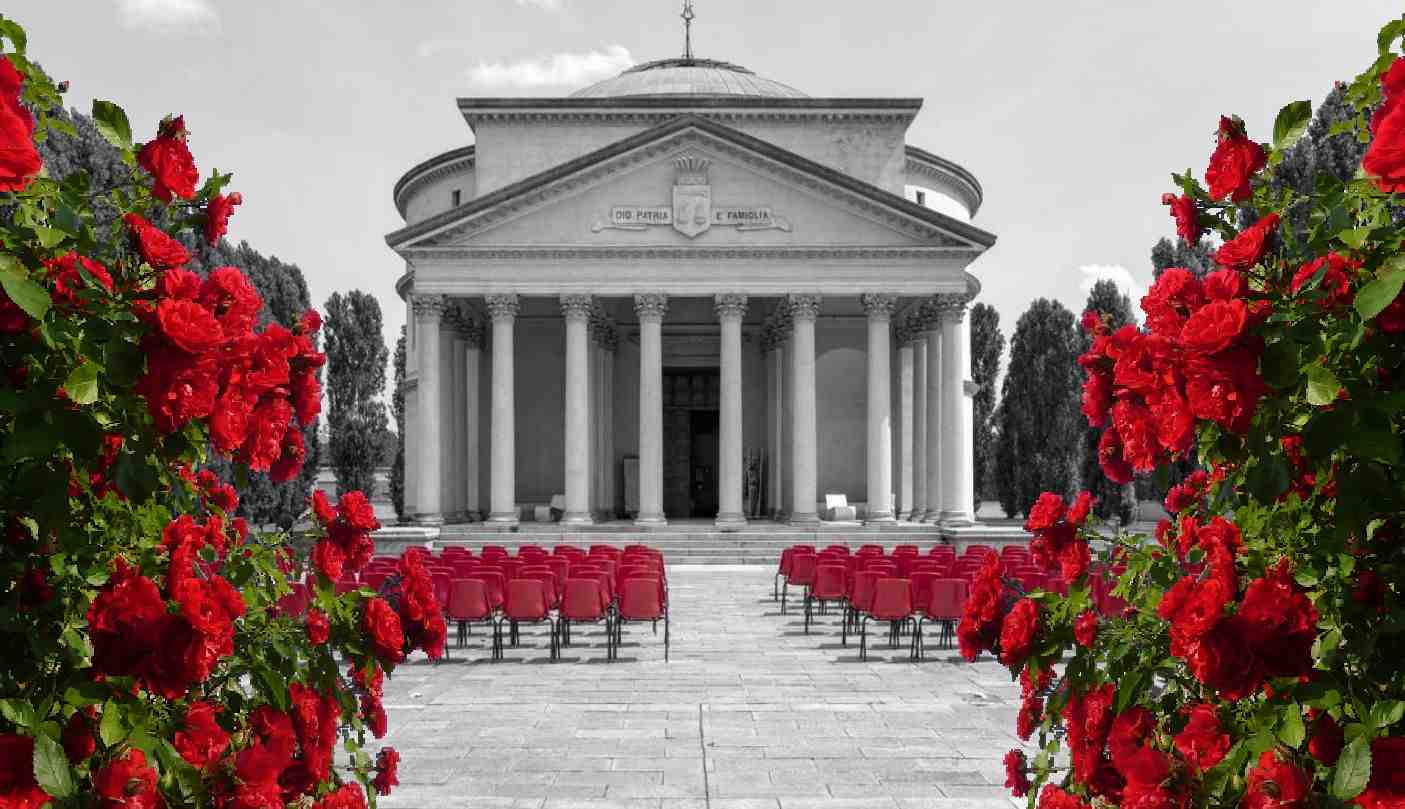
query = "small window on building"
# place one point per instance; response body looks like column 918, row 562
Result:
column 456, row 196
column 921, row 198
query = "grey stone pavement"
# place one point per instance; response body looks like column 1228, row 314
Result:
column 750, row 713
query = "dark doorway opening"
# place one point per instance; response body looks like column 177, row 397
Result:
column 704, row 463
column 690, row 442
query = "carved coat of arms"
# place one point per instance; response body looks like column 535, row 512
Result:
column 692, row 212
column 692, row 197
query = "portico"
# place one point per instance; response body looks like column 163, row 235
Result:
column 686, row 305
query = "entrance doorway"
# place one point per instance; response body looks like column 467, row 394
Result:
column 690, row 442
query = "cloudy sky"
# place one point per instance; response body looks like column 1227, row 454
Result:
column 1072, row 114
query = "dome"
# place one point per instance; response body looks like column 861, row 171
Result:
column 688, row 77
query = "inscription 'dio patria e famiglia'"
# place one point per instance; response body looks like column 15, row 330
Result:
column 692, row 212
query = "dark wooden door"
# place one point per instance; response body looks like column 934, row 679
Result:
column 704, row 462
column 677, row 462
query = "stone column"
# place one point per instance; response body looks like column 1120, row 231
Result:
column 958, row 474
column 934, row 420
column 774, row 346
column 918, row 444
column 502, row 496
column 607, row 418
column 879, row 308
column 905, row 380
column 650, row 309
column 730, row 310
column 804, row 309
column 576, row 309
column 429, row 311
column 472, row 336
column 458, row 428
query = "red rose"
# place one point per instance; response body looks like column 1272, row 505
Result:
column 128, row 783
column 1171, row 298
column 1097, row 398
column 202, row 741
column 348, row 796
column 78, row 740
column 290, row 461
column 1385, row 156
column 1223, row 660
column 1335, row 284
column 17, row 785
column 1201, row 611
column 1017, row 632
column 1085, row 629
column 322, row 509
column 1175, row 424
column 68, row 280
column 178, row 283
column 1137, row 428
column 155, row 247
column 1386, row 789
column 387, row 762
column 1202, row 742
column 1187, row 217
column 1074, row 559
column 1045, row 512
column 1017, row 773
column 1327, row 738
column 1053, row 797
column 19, row 158
column 318, row 627
column 1281, row 621
column 1276, row 784
column 1214, row 326
column 169, row 162
column 328, row 559
column 268, row 427
column 227, row 293
column 307, row 396
column 1110, row 459
column 1247, row 249
column 356, row 511
column 229, row 423
column 1234, row 162
column 1225, row 388
column 1087, row 719
column 217, row 216
column 382, row 624
column 1082, row 506
column 188, row 325
column 1030, row 715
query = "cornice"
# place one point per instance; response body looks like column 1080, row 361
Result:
column 435, row 168
column 686, row 132
column 637, row 109
column 923, row 162
column 684, row 253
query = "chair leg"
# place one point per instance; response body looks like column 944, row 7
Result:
column 554, row 630
column 807, row 613
column 863, row 637
column 844, row 627
column 784, row 586
column 665, row 636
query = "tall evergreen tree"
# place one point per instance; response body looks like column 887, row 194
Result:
column 1199, row 258
column 397, row 409
column 1041, row 423
column 1113, row 499
column 356, row 359
column 987, row 344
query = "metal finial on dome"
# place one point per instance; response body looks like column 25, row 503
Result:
column 687, row 16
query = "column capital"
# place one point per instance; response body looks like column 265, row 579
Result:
column 652, row 306
column 927, row 318
column 804, row 307
column 502, row 307
column 729, row 306
column 576, row 307
column 950, row 307
column 469, row 331
column 879, row 305
column 429, row 307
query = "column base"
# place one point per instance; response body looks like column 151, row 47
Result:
column 503, row 518
column 881, row 519
column 651, row 521
column 799, row 520
column 957, row 518
column 730, row 522
column 577, row 518
column 429, row 519
column 930, row 517
column 903, row 515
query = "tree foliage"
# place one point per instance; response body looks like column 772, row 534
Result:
column 397, row 408
column 987, row 346
column 356, row 359
column 1198, row 258
column 1040, row 426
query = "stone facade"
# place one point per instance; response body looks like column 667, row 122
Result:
column 694, row 306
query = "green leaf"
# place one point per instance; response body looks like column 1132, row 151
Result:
column 1353, row 770
column 26, row 294
column 1291, row 123
column 1291, row 729
column 1355, row 238
column 1380, row 293
column 48, row 237
column 18, row 711
column 111, row 122
column 1322, row 385
column 1280, row 364
column 88, row 693
column 1387, row 713
column 82, row 383
column 51, row 768
column 111, row 729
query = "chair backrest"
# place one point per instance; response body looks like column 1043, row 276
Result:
column 905, row 550
column 492, row 553
column 441, row 586
column 802, row 569
column 374, row 580
column 526, row 600
column 637, row 548
column 862, row 595
column 598, row 576
column 892, row 599
column 468, row 600
column 584, row 600
column 568, row 551
column 947, row 599
column 840, row 549
column 547, row 578
column 605, row 550
column 494, row 585
column 831, row 581
column 870, row 550
column 920, row 584
column 640, row 600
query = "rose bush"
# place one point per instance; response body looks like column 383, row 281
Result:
column 146, row 659
column 1251, row 652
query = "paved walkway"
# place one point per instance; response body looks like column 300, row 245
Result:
column 750, row 713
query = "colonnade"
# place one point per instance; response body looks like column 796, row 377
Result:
column 935, row 481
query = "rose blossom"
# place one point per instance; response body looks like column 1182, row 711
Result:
column 155, row 247
column 1202, row 742
column 1276, row 784
column 169, row 162
column 1247, row 249
column 1085, row 629
column 1234, row 162
column 387, row 764
column 19, row 158
column 1018, row 631
column 1187, row 217
column 202, row 741
column 217, row 216
column 1016, row 773
column 128, row 783
column 318, row 627
column 17, row 785
column 1385, row 156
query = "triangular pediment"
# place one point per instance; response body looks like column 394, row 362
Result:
column 691, row 183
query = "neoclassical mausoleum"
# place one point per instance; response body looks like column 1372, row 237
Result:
column 688, row 292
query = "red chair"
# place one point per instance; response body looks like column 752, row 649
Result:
column 440, row 581
column 870, row 550
column 802, row 574
column 468, row 604
column 345, row 585
column 640, row 601
column 571, row 552
column 830, row 586
column 920, row 583
column 945, row 602
column 783, row 570
column 905, row 550
column 585, row 602
column 494, row 584
column 547, row 578
column 892, row 602
column 597, row 575
column 526, row 603
column 861, row 591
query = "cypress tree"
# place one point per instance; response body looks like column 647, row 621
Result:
column 987, row 344
column 1113, row 499
column 356, row 359
column 397, row 409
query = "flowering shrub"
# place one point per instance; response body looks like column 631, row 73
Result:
column 1250, row 654
column 147, row 661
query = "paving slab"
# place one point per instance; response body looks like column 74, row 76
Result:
column 749, row 712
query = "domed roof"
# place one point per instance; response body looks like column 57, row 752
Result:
column 688, row 77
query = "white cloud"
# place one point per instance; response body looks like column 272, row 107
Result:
column 170, row 17
column 1093, row 273
column 554, row 70
column 548, row 5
